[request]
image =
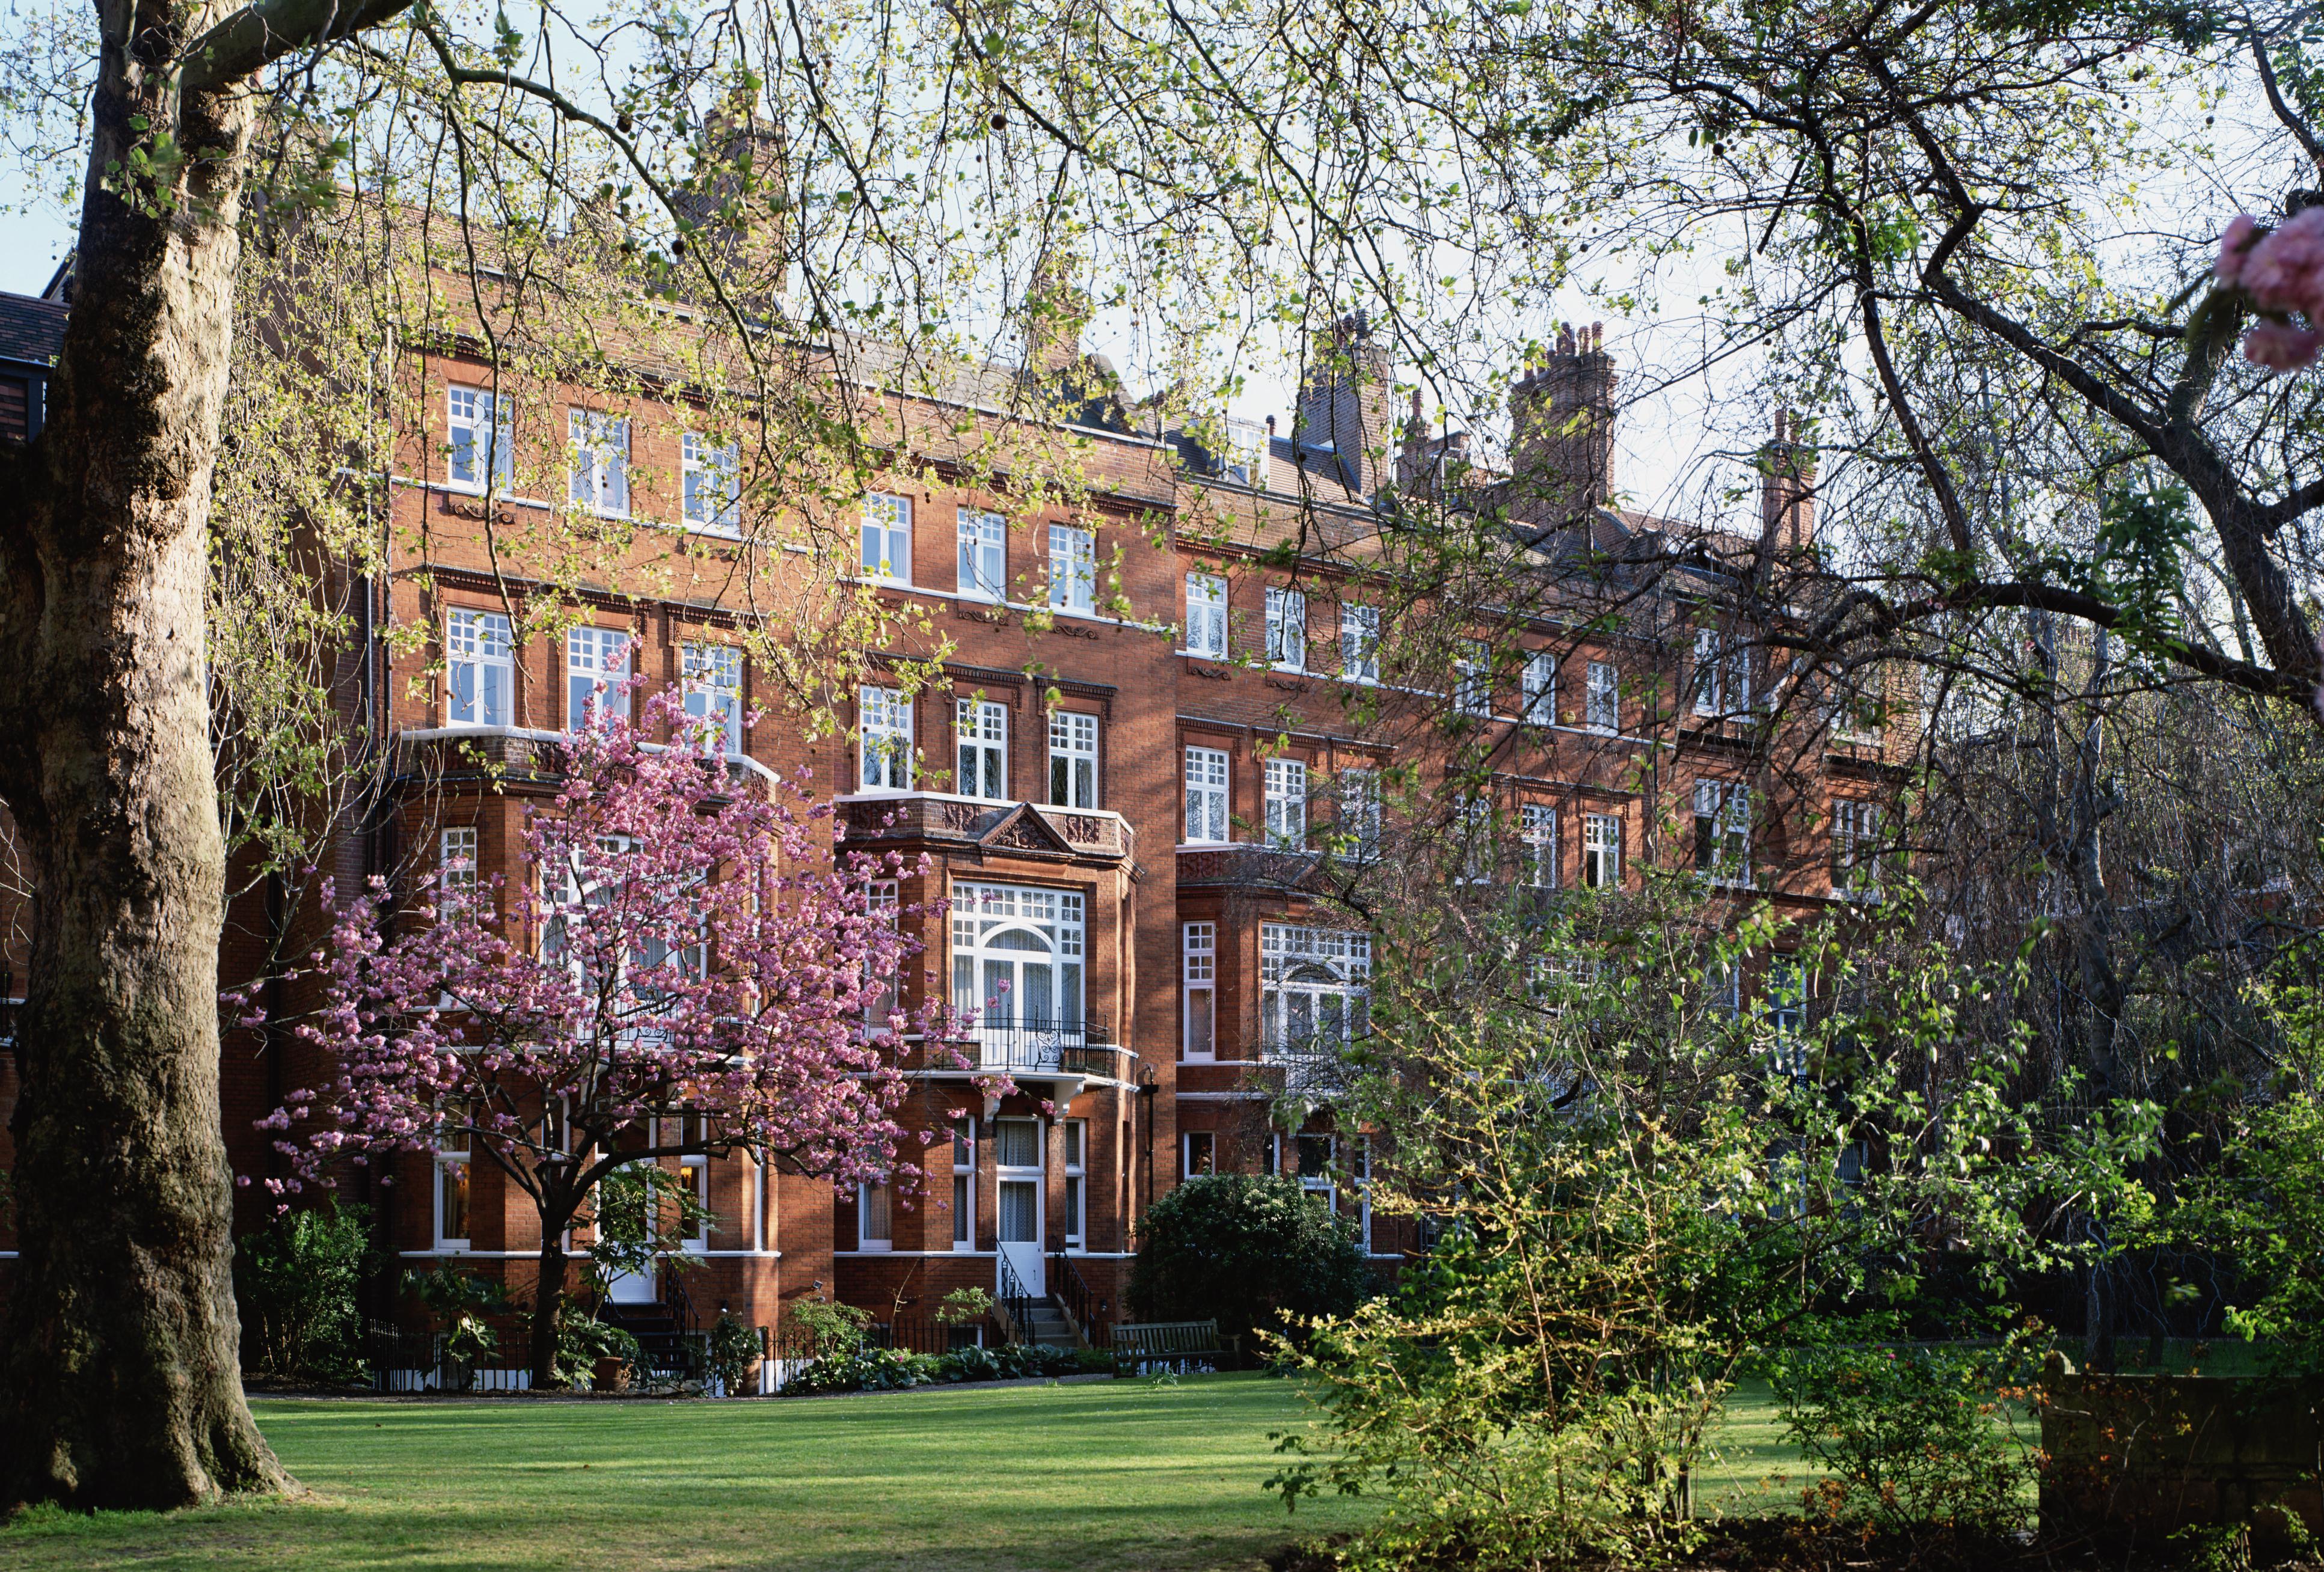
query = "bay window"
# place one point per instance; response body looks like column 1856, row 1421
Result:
column 1314, row 989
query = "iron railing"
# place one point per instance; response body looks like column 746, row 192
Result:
column 1055, row 1047
column 1080, row 1303
column 1015, row 1304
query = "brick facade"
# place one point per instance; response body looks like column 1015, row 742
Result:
column 1159, row 907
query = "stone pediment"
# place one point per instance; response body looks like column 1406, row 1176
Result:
column 1026, row 829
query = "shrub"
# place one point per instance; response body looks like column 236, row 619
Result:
column 1246, row 1253
column 864, row 1370
column 969, row 1364
column 296, row 1279
column 583, row 1340
column 733, row 1349
column 1913, row 1437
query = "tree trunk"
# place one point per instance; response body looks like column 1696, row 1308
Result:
column 122, row 1384
column 548, row 1309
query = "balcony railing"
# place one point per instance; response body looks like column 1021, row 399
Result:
column 939, row 817
column 1040, row 1047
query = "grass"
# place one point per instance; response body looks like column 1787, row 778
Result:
column 1090, row 1477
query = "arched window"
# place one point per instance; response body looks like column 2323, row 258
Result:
column 1017, row 959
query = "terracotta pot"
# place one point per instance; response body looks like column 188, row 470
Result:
column 610, row 1374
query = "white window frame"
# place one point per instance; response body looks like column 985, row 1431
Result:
column 448, row 1158
column 1722, row 833
column 1723, row 676
column 1056, row 919
column 1359, row 643
column 482, row 645
column 1538, row 689
column 1855, row 872
column 1314, row 989
column 882, row 899
column 1286, row 629
column 1317, row 1184
column 712, row 677
column 1285, row 783
column 1072, row 569
column 455, row 860
column 1206, row 616
column 983, row 550
column 1537, row 827
column 1602, row 701
column 867, row 1210
column 593, row 674
column 711, row 484
column 884, row 727
column 981, row 743
column 598, row 466
column 1198, row 970
column 1472, row 678
column 884, row 538
column 1209, row 786
column 1601, row 850
column 1072, row 759
column 1076, row 1187
column 1188, row 1142
column 1472, row 830
column 964, row 1181
column 467, row 411
column 1357, row 795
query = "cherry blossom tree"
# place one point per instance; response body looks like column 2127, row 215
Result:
column 689, row 962
column 2279, row 273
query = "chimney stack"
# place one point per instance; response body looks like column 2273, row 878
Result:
column 1787, row 478
column 1055, row 311
column 1561, row 431
column 1343, row 404
column 737, row 198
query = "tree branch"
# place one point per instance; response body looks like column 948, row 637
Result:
column 257, row 35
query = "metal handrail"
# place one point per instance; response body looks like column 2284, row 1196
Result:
column 1015, row 1302
column 1078, row 1299
column 1073, row 1047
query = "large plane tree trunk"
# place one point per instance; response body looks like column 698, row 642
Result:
column 121, row 1384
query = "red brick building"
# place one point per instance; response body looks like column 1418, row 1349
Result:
column 1122, row 721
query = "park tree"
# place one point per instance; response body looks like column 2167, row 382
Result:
column 687, row 964
column 1902, row 224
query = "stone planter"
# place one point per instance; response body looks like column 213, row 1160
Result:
column 610, row 1374
column 2130, row 1459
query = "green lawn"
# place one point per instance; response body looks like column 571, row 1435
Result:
column 1110, row 1475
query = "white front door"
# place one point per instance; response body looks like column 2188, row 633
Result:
column 1017, row 1150
column 630, row 1287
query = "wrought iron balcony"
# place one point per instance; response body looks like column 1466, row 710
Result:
column 1030, row 1047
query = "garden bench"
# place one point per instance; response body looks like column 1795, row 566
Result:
column 1141, row 1347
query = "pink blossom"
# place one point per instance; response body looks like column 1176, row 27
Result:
column 2285, row 270
column 687, row 961
column 2235, row 249
column 2281, row 347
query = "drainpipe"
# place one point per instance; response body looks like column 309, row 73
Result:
column 1149, row 1083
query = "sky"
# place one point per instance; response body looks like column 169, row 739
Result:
column 1672, row 446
